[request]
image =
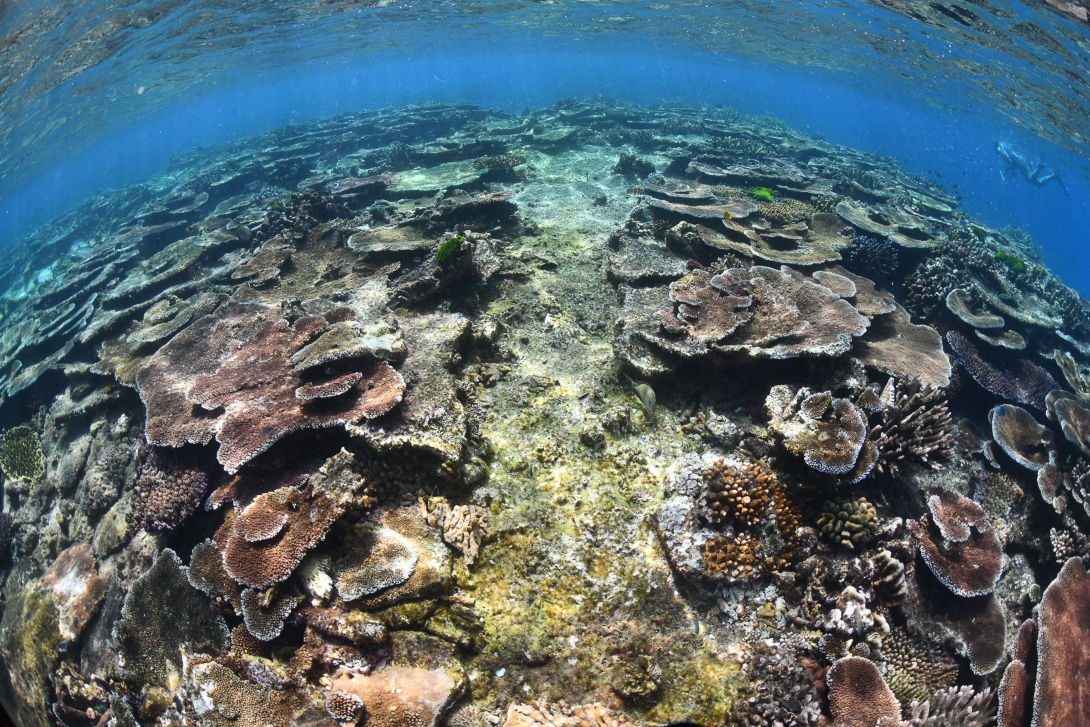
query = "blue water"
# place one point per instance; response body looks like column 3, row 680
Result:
column 933, row 129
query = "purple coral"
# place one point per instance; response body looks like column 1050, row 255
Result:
column 1024, row 382
column 167, row 492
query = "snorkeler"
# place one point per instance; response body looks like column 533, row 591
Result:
column 1015, row 162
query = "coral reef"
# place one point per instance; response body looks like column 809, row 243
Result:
column 388, row 351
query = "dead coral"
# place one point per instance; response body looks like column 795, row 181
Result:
column 463, row 526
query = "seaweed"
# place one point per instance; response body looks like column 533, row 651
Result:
column 447, row 250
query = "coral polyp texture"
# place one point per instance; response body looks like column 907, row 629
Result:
column 592, row 416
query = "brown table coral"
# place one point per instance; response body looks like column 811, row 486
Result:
column 251, row 394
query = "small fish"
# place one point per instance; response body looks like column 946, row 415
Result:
column 644, row 393
column 437, row 78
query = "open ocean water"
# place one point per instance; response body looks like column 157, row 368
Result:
column 545, row 363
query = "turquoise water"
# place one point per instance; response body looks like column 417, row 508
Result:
column 103, row 97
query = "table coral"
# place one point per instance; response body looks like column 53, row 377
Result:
column 828, row 432
column 1024, row 382
column 958, row 544
column 272, row 534
column 1062, row 694
column 1020, row 436
column 253, row 395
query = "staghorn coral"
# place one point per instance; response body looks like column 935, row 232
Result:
column 735, row 493
column 955, row 707
column 829, row 433
column 914, row 426
column 850, row 522
column 463, row 526
column 1023, row 383
column 760, row 313
column 272, row 534
column 1020, row 436
column 167, row 492
column 1062, row 693
column 958, row 544
column 21, row 456
column 162, row 618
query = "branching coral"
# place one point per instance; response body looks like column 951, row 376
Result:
column 167, row 492
column 914, row 427
column 735, row 492
column 875, row 257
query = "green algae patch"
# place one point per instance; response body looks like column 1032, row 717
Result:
column 448, row 249
column 763, row 194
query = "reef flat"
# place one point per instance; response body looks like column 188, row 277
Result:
column 588, row 416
